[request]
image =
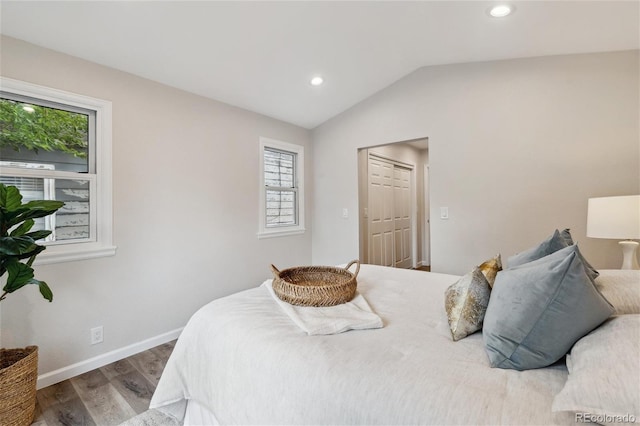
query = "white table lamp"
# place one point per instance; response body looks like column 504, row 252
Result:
column 617, row 218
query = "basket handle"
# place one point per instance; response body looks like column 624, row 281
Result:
column 276, row 272
column 357, row 262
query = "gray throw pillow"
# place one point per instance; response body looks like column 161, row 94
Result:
column 552, row 244
column 566, row 234
column 557, row 241
column 538, row 310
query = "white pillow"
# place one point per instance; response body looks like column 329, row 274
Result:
column 621, row 288
column 604, row 374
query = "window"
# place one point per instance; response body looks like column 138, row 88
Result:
column 281, row 188
column 57, row 145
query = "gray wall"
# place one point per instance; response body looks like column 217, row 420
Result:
column 185, row 183
column 516, row 148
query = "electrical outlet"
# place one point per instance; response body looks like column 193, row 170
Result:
column 97, row 335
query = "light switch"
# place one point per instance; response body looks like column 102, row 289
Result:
column 444, row 212
column 345, row 213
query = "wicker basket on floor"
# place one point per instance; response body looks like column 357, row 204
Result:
column 315, row 285
column 18, row 376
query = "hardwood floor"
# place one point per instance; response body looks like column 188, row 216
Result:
column 424, row 268
column 106, row 396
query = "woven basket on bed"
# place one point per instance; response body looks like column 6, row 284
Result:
column 18, row 376
column 315, row 285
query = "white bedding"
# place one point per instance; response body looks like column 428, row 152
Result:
column 353, row 315
column 243, row 360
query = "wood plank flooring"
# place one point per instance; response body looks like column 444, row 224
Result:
column 106, row 396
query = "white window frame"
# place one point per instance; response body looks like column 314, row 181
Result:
column 101, row 206
column 282, row 230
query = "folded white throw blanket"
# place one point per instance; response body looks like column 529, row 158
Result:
column 353, row 315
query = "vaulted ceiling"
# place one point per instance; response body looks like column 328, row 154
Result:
column 261, row 55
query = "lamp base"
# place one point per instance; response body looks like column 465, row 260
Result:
column 629, row 258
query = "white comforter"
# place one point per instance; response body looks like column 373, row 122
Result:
column 243, row 359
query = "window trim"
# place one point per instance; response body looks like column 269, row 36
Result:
column 103, row 219
column 282, row 230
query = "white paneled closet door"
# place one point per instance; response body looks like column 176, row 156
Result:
column 381, row 219
column 402, row 217
column 389, row 214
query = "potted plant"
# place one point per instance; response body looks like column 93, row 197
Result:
column 18, row 250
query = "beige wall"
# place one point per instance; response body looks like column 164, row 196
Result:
column 516, row 148
column 185, row 179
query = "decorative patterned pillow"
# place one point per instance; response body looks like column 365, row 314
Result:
column 604, row 374
column 490, row 269
column 540, row 309
column 466, row 302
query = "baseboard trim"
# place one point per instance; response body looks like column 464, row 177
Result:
column 81, row 367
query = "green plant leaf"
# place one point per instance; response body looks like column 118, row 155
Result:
column 45, row 291
column 33, row 210
column 20, row 243
column 45, row 205
column 38, row 235
column 10, row 197
column 16, row 246
column 9, row 215
column 23, row 229
column 38, row 249
column 20, row 275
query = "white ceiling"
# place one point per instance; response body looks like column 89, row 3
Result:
column 261, row 55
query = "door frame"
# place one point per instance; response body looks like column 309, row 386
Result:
column 426, row 234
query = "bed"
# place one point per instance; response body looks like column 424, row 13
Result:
column 241, row 360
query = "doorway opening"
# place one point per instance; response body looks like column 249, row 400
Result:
column 393, row 198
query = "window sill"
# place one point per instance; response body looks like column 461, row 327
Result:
column 70, row 254
column 283, row 233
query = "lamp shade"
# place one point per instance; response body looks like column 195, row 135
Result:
column 614, row 217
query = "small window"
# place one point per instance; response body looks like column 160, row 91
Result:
column 281, row 183
column 56, row 145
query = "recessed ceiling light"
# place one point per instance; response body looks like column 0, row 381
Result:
column 501, row 11
column 28, row 108
column 317, row 81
